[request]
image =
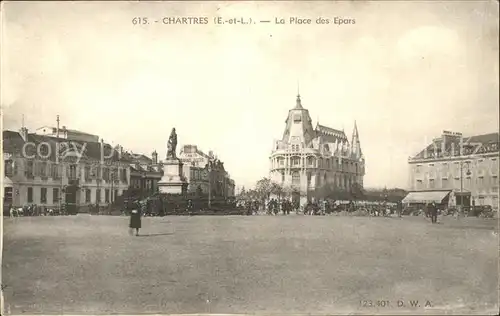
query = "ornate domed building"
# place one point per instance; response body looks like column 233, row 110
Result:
column 309, row 160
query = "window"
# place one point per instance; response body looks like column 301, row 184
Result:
column 419, row 184
column 30, row 195
column 72, row 172
column 308, row 179
column 480, row 182
column 295, row 161
column 55, row 195
column 115, row 195
column 282, row 176
column 105, row 174
column 87, row 195
column 8, row 168
column 43, row 169
column 418, row 168
column 98, row 195
column 86, row 173
column 281, row 162
column 310, row 161
column 54, row 171
column 445, row 183
column 106, row 195
column 295, row 179
column 43, row 195
column 29, row 169
column 324, row 179
column 7, row 194
column 123, row 175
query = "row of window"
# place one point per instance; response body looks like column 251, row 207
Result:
column 457, row 165
column 43, row 195
column 310, row 161
column 56, row 197
column 481, row 183
column 46, row 169
column 339, row 181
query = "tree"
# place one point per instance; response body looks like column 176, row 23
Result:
column 263, row 188
column 277, row 189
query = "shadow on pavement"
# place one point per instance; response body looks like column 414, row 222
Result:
column 153, row 235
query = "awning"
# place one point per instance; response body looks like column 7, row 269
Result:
column 426, row 197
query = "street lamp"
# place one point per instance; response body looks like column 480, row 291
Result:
column 462, row 181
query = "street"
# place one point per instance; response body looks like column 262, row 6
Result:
column 237, row 264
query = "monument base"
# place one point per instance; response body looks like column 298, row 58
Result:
column 173, row 181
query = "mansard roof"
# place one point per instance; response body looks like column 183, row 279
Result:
column 477, row 144
column 13, row 143
column 329, row 134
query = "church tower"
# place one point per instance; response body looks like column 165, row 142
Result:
column 356, row 144
column 299, row 128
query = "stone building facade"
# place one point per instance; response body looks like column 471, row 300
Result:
column 145, row 173
column 51, row 172
column 201, row 178
column 467, row 166
column 308, row 158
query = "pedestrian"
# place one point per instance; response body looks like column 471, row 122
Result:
column 434, row 212
column 135, row 220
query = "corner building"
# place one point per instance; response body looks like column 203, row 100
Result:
column 308, row 158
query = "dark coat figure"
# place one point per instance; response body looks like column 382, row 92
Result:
column 433, row 212
column 135, row 220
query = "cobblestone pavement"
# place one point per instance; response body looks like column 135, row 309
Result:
column 242, row 264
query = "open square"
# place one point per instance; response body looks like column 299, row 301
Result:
column 235, row 264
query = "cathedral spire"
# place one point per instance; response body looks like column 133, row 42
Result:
column 356, row 144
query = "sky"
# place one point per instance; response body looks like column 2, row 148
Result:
column 405, row 71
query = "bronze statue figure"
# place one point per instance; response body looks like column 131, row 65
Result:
column 172, row 145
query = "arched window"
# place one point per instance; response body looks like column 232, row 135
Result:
column 310, row 161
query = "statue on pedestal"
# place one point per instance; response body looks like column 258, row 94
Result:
column 172, row 145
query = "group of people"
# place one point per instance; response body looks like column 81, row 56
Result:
column 32, row 210
column 274, row 206
column 431, row 210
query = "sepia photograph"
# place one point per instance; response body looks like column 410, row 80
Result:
column 249, row 157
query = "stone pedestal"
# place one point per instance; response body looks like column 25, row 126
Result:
column 173, row 181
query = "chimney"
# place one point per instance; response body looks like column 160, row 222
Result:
column 154, row 157
column 24, row 133
column 57, row 128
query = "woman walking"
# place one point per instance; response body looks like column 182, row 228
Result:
column 135, row 220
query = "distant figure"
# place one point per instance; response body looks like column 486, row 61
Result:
column 433, row 211
column 135, row 220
